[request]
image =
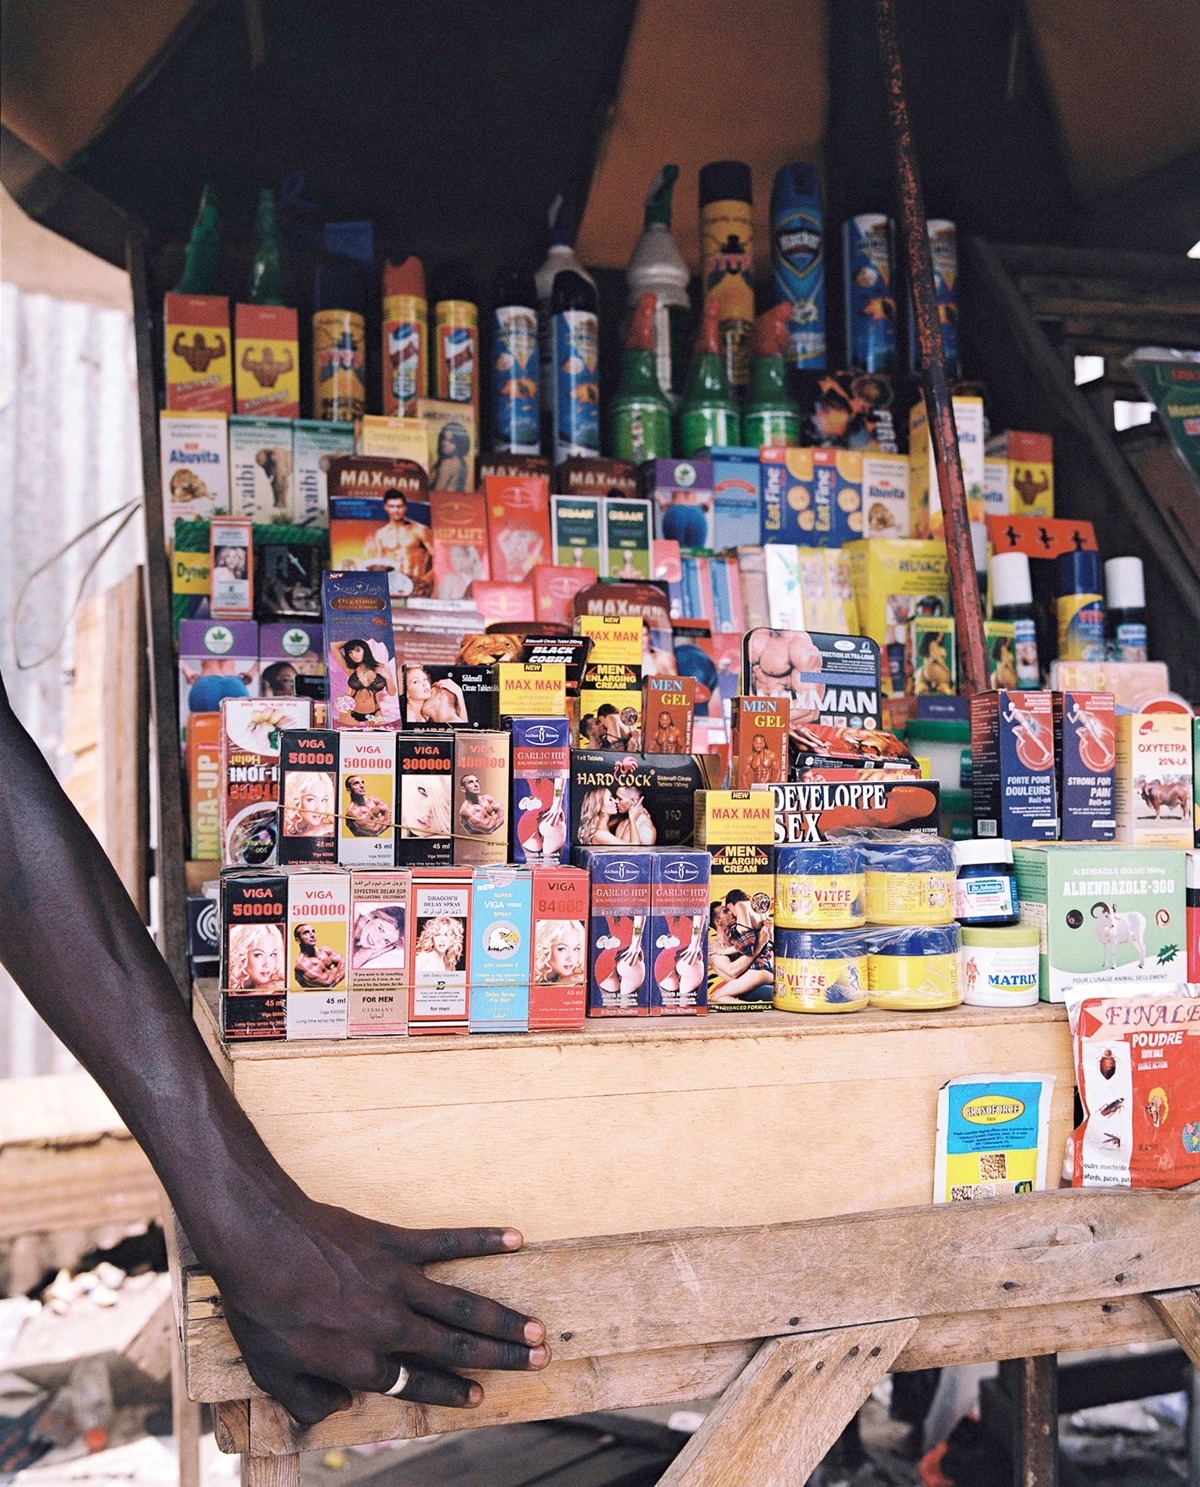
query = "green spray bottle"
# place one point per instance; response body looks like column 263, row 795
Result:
column 202, row 258
column 267, row 284
column 710, row 415
column 771, row 416
column 641, row 415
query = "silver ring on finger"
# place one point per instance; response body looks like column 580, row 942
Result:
column 401, row 1381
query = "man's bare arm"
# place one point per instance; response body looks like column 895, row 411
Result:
column 320, row 1301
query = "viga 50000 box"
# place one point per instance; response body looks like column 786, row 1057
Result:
column 1107, row 915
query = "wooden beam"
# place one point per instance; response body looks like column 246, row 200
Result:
column 1032, row 1387
column 779, row 1417
column 1180, row 1310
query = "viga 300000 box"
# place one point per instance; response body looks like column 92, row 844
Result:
column 1107, row 915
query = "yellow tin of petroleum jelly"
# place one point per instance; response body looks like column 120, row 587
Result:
column 820, row 972
column 819, row 887
column 910, row 882
column 914, row 970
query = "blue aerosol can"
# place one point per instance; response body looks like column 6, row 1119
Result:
column 870, row 300
column 798, row 261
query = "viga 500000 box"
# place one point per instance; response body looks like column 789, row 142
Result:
column 1106, row 915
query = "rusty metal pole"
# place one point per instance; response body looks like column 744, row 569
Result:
column 968, row 610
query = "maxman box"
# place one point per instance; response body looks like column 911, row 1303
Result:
column 501, row 934
column 679, row 932
column 1085, row 758
column 1154, row 779
column 439, row 936
column 1107, row 914
column 618, row 931
column 378, row 974
column 482, row 769
column 318, row 943
column 541, row 801
column 741, row 927
column 1013, row 789
column 425, row 767
column 558, row 984
column 366, row 798
column 253, row 955
column 308, row 809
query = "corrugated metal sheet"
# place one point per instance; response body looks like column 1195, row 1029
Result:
column 69, row 454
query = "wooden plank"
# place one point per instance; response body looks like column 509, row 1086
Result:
column 1032, row 1387
column 1180, row 1310
column 185, row 1419
column 270, row 1471
column 779, row 1417
column 231, row 1426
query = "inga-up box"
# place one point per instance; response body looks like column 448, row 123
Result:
column 1014, row 792
column 253, row 971
column 1154, row 779
column 1085, row 757
column 1107, row 915
column 204, row 786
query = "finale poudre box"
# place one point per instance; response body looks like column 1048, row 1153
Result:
column 1107, row 914
column 253, row 971
column 251, row 730
column 1154, row 771
column 812, row 810
column 541, row 799
column 501, row 942
column 1085, row 758
column 194, row 456
column 315, row 445
column 266, row 366
column 1013, row 788
column 618, row 930
column 679, row 907
column 439, row 937
column 482, row 769
column 625, row 799
column 425, row 766
column 558, row 981
column 260, row 469
column 308, row 813
column 199, row 350
column 318, row 943
column 668, row 708
column 366, row 834
column 377, row 980
column 760, row 741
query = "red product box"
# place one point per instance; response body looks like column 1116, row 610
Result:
column 558, row 986
column 266, row 369
column 502, row 603
column 518, row 519
column 1040, row 536
column 460, row 549
column 760, row 741
column 554, row 587
column 199, row 353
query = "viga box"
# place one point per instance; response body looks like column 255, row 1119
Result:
column 318, row 925
column 253, row 955
column 1154, row 779
column 1106, row 914
column 501, row 923
column 558, row 986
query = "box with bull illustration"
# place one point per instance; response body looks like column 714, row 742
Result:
column 1108, row 915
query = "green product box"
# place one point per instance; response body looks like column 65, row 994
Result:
column 1107, row 914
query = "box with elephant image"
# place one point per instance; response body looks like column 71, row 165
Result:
column 1107, row 915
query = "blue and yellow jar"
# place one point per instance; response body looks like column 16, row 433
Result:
column 914, row 970
column 820, row 887
column 909, row 882
column 820, row 972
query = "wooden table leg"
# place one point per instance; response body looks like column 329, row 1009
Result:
column 1032, row 1388
column 786, row 1408
column 185, row 1418
column 271, row 1471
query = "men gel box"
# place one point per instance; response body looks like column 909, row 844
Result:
column 501, row 925
column 1107, row 914
column 619, row 931
column 253, row 956
column 1013, row 787
column 541, row 797
column 679, row 932
column 1154, row 779
column 1085, row 758
column 318, row 926
column 378, row 975
column 558, row 985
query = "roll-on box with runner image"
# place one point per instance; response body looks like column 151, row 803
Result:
column 308, row 796
column 318, row 943
column 619, row 930
column 1085, row 756
column 378, row 976
column 1107, row 914
column 558, row 981
column 1013, row 787
column 1154, row 779
column 366, row 805
column 501, row 940
column 541, row 799
column 679, row 905
column 439, row 938
column 425, row 771
column 480, row 804
column 253, row 972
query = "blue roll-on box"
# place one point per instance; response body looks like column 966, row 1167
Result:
column 501, row 918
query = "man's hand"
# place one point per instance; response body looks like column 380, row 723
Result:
column 342, row 1306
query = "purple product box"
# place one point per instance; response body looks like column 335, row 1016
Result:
column 217, row 659
column 619, row 951
column 679, row 904
column 541, row 791
column 681, row 493
column 292, row 660
column 1086, row 753
column 1012, row 776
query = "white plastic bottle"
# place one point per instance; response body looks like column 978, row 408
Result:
column 657, row 267
column 559, row 256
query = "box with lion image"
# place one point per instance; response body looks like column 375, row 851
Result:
column 1108, row 915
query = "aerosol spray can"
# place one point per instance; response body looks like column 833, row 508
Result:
column 456, row 338
column 515, row 369
column 405, row 337
column 727, row 260
column 798, row 261
column 870, row 293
